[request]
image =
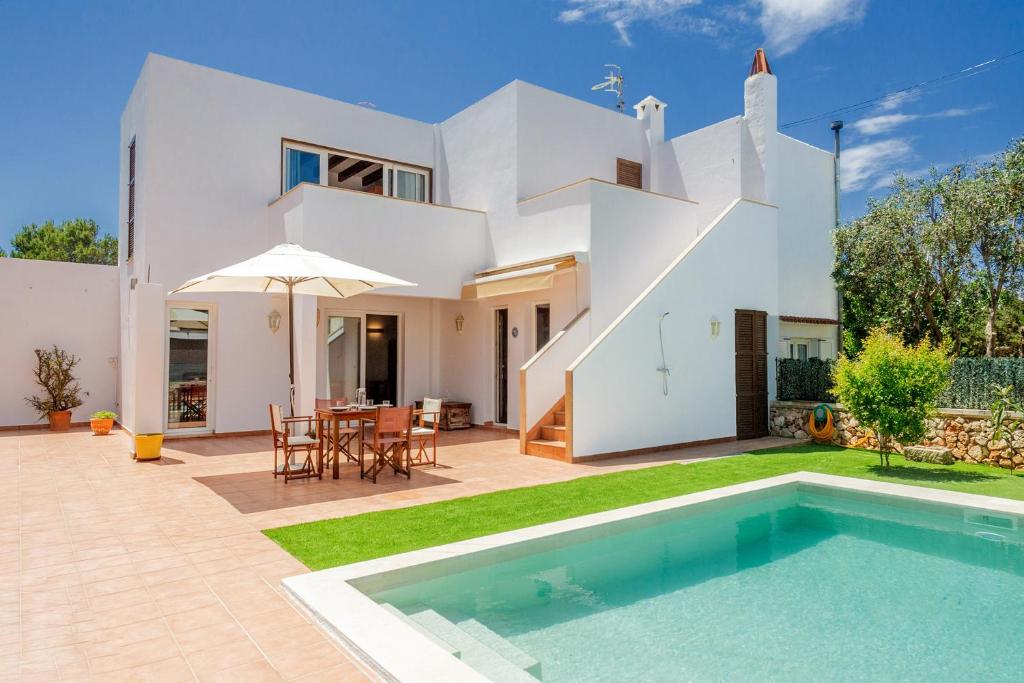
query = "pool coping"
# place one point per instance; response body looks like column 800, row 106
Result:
column 396, row 651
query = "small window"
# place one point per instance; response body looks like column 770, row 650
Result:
column 131, row 200
column 301, row 167
column 629, row 173
column 543, row 322
column 410, row 185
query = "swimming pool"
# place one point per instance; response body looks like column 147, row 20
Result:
column 802, row 577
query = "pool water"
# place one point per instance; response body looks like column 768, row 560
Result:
column 800, row 583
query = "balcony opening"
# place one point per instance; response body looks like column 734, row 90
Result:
column 322, row 166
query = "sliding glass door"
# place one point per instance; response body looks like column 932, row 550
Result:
column 188, row 368
column 363, row 352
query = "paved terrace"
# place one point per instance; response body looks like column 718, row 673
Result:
column 115, row 570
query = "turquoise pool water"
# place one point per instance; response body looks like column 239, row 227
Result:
column 801, row 583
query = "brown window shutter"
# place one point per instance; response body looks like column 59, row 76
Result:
column 629, row 173
column 751, row 374
column 131, row 199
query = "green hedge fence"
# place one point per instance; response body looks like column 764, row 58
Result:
column 970, row 385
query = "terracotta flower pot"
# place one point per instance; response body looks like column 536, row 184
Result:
column 101, row 426
column 60, row 421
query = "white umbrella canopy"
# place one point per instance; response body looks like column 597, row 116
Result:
column 290, row 269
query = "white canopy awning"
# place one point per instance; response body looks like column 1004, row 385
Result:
column 528, row 276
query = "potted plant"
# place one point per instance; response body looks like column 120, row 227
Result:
column 61, row 392
column 147, row 446
column 102, row 422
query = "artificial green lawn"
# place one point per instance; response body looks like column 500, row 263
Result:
column 333, row 542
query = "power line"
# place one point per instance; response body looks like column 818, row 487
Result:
column 951, row 77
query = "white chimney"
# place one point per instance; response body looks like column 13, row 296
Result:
column 761, row 112
column 650, row 111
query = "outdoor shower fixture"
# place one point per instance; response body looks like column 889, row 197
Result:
column 665, row 372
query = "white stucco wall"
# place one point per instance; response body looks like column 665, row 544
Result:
column 72, row 305
column 618, row 402
column 806, row 198
column 437, row 247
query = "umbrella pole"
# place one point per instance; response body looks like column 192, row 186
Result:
column 291, row 347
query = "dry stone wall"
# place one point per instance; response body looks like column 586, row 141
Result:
column 967, row 433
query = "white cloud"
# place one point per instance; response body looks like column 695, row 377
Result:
column 788, row 23
column 883, row 123
column 898, row 99
column 622, row 14
column 865, row 165
column 873, row 125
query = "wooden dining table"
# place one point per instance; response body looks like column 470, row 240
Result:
column 334, row 417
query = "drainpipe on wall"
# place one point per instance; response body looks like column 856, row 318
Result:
column 837, row 126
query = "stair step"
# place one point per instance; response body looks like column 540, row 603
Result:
column 553, row 433
column 474, row 653
column 560, row 417
column 546, row 448
column 500, row 645
column 440, row 642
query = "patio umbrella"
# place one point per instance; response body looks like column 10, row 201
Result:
column 288, row 268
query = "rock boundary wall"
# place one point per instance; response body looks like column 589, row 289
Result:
column 967, row 433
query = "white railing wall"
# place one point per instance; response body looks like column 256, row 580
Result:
column 542, row 378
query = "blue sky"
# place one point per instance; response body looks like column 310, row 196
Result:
column 68, row 68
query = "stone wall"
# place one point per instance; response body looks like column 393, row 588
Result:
column 967, row 433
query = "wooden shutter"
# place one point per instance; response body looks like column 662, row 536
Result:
column 751, row 374
column 131, row 199
column 629, row 173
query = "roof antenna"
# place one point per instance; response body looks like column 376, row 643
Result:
column 613, row 83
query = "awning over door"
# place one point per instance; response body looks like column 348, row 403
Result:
column 528, row 276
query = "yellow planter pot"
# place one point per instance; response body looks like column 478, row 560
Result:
column 147, row 446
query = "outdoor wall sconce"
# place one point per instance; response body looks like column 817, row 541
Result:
column 274, row 321
column 716, row 327
column 459, row 323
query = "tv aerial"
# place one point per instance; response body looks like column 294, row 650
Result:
column 613, row 83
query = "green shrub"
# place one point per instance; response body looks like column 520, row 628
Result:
column 890, row 388
column 104, row 415
column 804, row 380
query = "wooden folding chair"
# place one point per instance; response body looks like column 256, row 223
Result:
column 425, row 433
column 289, row 444
column 347, row 434
column 389, row 445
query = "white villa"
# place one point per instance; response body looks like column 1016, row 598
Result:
column 581, row 279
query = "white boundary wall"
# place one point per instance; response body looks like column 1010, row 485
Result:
column 72, row 305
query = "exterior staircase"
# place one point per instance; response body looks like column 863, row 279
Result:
column 547, row 439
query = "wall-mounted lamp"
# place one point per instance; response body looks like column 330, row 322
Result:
column 274, row 321
column 716, row 327
column 459, row 323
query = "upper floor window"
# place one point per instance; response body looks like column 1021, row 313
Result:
column 334, row 168
column 301, row 167
column 131, row 200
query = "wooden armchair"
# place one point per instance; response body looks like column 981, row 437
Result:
column 425, row 433
column 289, row 443
column 388, row 444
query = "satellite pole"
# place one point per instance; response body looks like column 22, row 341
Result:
column 613, row 83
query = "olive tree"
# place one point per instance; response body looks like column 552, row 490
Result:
column 891, row 387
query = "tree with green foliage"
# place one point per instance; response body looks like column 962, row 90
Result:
column 891, row 387
column 940, row 258
column 77, row 240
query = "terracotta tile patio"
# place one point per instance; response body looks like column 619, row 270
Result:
column 114, row 570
